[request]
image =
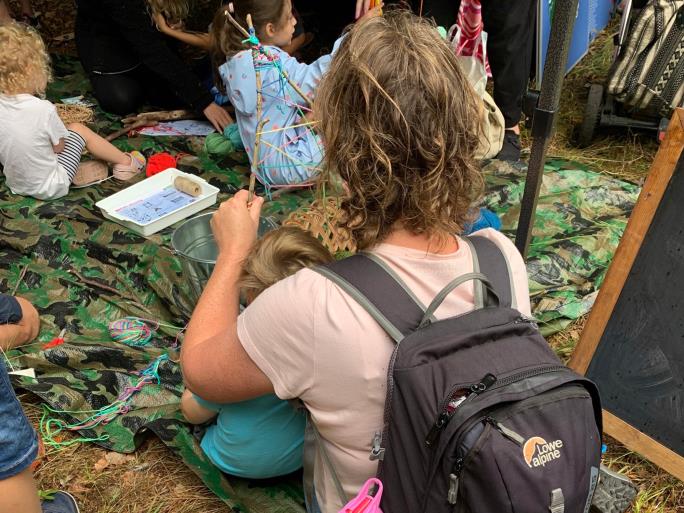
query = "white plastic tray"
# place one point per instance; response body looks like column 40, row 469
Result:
column 148, row 187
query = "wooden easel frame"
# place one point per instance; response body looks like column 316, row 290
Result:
column 639, row 223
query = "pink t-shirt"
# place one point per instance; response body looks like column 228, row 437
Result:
column 314, row 342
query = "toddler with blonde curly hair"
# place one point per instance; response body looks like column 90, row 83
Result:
column 263, row 437
column 41, row 157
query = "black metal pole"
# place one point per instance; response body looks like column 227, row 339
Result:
column 545, row 115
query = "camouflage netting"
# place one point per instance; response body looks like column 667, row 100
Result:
column 82, row 271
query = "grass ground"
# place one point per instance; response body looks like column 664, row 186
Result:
column 154, row 481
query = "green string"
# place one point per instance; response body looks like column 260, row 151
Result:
column 52, row 427
column 48, row 434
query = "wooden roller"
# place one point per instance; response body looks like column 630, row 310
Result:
column 187, row 186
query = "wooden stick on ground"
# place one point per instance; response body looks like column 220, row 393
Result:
column 160, row 115
column 126, row 129
column 20, row 279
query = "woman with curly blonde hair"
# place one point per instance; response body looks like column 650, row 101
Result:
column 400, row 125
column 40, row 156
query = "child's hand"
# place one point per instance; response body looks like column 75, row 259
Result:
column 177, row 25
column 59, row 148
column 372, row 13
column 361, row 8
column 217, row 116
column 161, row 23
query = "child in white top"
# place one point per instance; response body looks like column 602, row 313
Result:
column 40, row 156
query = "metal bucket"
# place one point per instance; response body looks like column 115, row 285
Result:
column 194, row 242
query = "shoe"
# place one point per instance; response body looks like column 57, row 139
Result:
column 614, row 492
column 126, row 172
column 61, row 502
column 90, row 172
column 510, row 150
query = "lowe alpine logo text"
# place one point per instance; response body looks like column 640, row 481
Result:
column 538, row 452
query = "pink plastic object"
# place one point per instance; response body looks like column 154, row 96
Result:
column 471, row 25
column 364, row 502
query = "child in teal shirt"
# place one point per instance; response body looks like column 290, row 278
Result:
column 263, row 437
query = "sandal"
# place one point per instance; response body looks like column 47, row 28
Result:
column 90, row 172
column 126, row 172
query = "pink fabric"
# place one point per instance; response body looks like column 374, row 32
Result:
column 470, row 22
column 314, row 342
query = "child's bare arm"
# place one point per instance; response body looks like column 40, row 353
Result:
column 199, row 39
column 59, row 148
column 193, row 412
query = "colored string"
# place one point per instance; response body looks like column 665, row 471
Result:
column 138, row 332
column 52, row 427
column 273, row 61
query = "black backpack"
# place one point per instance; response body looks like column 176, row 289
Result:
column 481, row 416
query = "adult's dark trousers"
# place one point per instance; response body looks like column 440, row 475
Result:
column 121, row 84
column 510, row 28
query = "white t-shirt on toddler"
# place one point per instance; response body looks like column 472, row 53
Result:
column 29, row 128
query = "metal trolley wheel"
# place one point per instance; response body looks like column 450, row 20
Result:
column 592, row 116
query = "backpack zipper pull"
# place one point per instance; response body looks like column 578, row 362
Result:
column 452, row 496
column 524, row 319
column 436, row 429
column 487, row 381
column 508, row 433
column 450, row 408
column 377, row 450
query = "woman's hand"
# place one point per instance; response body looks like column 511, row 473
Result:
column 235, row 226
column 217, row 116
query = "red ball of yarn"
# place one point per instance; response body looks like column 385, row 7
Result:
column 160, row 162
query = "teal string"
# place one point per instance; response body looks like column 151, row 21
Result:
column 52, row 427
column 252, row 40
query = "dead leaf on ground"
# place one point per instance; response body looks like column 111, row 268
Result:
column 113, row 459
column 79, row 488
column 100, row 465
column 116, row 458
column 128, row 478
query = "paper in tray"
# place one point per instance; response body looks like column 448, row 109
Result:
column 147, row 210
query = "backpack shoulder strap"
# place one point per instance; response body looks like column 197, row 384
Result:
column 489, row 260
column 379, row 291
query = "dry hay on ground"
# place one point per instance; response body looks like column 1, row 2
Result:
column 152, row 480
column 617, row 152
column 74, row 113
